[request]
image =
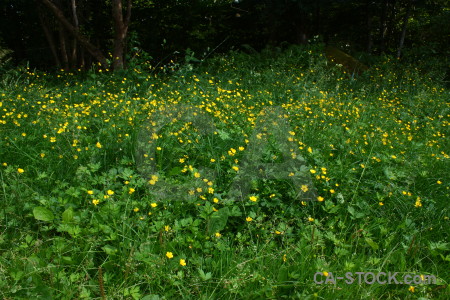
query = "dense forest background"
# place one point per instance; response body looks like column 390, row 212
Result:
column 72, row 34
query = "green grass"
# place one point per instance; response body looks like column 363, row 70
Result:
column 237, row 179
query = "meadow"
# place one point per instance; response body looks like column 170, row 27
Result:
column 244, row 177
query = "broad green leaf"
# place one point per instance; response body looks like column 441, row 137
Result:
column 67, row 215
column 43, row 214
column 371, row 243
column 218, row 220
column 110, row 250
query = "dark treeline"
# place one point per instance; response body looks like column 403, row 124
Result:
column 73, row 34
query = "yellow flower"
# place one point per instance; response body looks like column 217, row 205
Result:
column 312, row 171
column 249, row 219
column 20, row 170
column 310, row 219
column 169, row 255
column 110, row 192
column 380, row 203
column 182, row 262
column 232, row 151
column 304, row 188
column 284, row 258
column 332, row 191
column 95, row 202
column 418, row 202
column 253, row 198
column 216, row 200
column 439, row 182
column 320, row 198
column 277, row 232
column 325, row 273
column 411, row 289
column 98, row 145
column 153, row 180
column 131, row 191
column 218, row 235
column 90, row 192
column 213, row 160
column 136, row 209
column 236, row 168
column 153, row 205
column 167, row 228
column 196, row 174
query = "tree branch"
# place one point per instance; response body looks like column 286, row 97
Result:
column 94, row 51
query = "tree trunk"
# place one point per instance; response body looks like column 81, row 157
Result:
column 369, row 27
column 94, row 51
column 404, row 25
column 383, row 25
column 120, row 32
column 63, row 48
column 73, row 57
column 82, row 59
column 390, row 36
column 49, row 37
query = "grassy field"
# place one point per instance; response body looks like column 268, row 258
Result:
column 246, row 177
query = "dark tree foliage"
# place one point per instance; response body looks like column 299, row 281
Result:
column 167, row 29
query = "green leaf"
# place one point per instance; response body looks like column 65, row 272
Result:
column 174, row 171
column 151, row 297
column 133, row 292
column 110, row 250
column 235, row 212
column 67, row 215
column 371, row 243
column 204, row 276
column 218, row 220
column 354, row 213
column 223, row 135
column 43, row 214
